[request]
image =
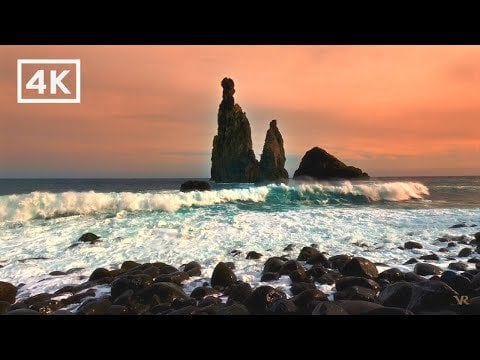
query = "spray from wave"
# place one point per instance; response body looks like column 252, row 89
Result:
column 45, row 205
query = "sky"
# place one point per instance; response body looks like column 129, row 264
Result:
column 151, row 111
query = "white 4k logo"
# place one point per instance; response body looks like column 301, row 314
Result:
column 37, row 82
column 48, row 81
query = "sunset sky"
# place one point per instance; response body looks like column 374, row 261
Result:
column 151, row 111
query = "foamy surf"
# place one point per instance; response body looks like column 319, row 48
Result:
column 46, row 205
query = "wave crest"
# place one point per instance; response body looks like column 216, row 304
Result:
column 45, row 205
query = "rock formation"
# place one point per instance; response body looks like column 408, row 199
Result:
column 272, row 161
column 195, row 185
column 319, row 164
column 233, row 159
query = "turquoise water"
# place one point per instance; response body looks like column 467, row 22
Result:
column 149, row 220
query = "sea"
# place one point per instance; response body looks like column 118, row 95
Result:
column 148, row 220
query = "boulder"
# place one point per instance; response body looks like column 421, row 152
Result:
column 426, row 269
column 222, row 276
column 89, row 237
column 359, row 266
column 195, row 185
column 412, row 245
column 8, row 292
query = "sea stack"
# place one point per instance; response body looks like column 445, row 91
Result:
column 319, row 164
column 233, row 159
column 272, row 161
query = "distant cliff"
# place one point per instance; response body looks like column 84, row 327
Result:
column 319, row 164
column 272, row 161
column 233, row 159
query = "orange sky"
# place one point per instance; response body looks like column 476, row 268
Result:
column 150, row 111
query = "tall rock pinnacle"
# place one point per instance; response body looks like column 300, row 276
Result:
column 272, row 162
column 233, row 159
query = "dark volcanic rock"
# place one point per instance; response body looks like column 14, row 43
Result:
column 459, row 266
column 339, row 261
column 195, row 185
column 329, row 308
column 459, row 283
column 319, row 259
column 465, row 252
column 300, row 287
column 412, row 245
column 426, row 269
column 307, row 300
column 289, row 247
column 23, row 312
column 307, row 253
column 357, row 307
column 350, row 281
column 410, row 261
column 355, row 293
column 253, row 255
column 420, row 296
column 89, row 237
column 130, row 282
column 222, row 276
column 177, row 277
column 432, row 256
column 239, row 292
column 8, row 292
column 4, row 307
column 262, row 298
column 159, row 293
column 203, row 291
column 273, row 264
column 99, row 273
column 233, row 159
column 359, row 266
column 270, row 276
column 456, row 226
column 94, row 307
column 392, row 275
column 319, row 164
column 290, row 266
column 272, row 161
column 283, row 306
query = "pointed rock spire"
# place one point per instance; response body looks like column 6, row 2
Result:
column 272, row 161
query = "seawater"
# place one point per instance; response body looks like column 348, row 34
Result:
column 150, row 220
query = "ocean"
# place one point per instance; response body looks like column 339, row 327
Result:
column 149, row 220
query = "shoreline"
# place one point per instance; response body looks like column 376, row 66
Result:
column 298, row 281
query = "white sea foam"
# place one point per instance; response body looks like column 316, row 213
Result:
column 45, row 205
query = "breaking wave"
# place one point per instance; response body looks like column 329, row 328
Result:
column 45, row 205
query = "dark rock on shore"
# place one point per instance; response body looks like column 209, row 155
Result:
column 329, row 308
column 320, row 165
column 272, row 160
column 8, row 292
column 355, row 293
column 23, row 312
column 233, row 159
column 358, row 307
column 458, row 266
column 426, row 269
column 456, row 226
column 195, row 185
column 90, row 238
column 432, row 256
column 270, row 276
column 465, row 252
column 339, row 261
column 410, row 261
column 289, row 247
column 239, row 292
column 99, row 273
column 388, row 311
column 130, row 282
column 392, row 275
column 283, row 307
column 253, row 255
column 307, row 253
column 222, row 276
column 350, row 281
column 412, row 245
column 273, row 264
column 5, row 307
column 262, row 298
column 203, row 291
column 420, row 296
column 307, row 300
column 299, row 287
column 459, row 283
column 359, row 266
column 290, row 266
